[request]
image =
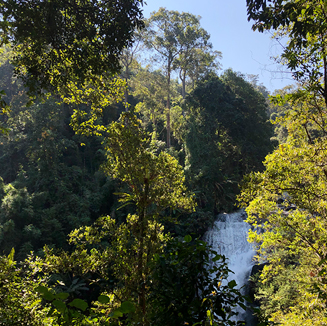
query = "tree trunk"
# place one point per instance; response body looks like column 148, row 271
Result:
column 126, row 89
column 183, row 78
column 140, row 254
column 168, row 99
column 168, row 128
column 140, row 267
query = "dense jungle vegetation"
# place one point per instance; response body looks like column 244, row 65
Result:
column 122, row 139
column 287, row 201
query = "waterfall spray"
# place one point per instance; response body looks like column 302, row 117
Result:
column 229, row 238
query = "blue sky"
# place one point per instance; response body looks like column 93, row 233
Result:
column 243, row 50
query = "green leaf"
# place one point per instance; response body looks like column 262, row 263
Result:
column 116, row 314
column 92, row 321
column 242, row 305
column 127, row 307
column 75, row 281
column 103, row 299
column 50, row 312
column 156, row 257
column 48, row 296
column 62, row 295
column 232, row 284
column 45, row 293
column 216, row 258
column 79, row 303
column 188, row 238
column 59, row 305
column 41, row 289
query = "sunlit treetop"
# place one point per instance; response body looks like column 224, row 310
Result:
column 305, row 25
column 304, row 19
column 59, row 41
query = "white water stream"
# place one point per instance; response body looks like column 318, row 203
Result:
column 229, row 238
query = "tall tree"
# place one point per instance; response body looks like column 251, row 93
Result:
column 128, row 60
column 174, row 35
column 149, row 88
column 193, row 39
column 155, row 182
column 161, row 36
column 201, row 62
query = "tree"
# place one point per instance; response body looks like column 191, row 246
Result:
column 288, row 202
column 129, row 62
column 19, row 304
column 174, row 35
column 277, row 110
column 51, row 179
column 187, row 286
column 288, row 199
column 187, row 282
column 304, row 23
column 155, row 182
column 56, row 42
column 197, row 59
column 117, row 253
column 227, row 136
column 149, row 89
column 200, row 62
column 193, row 39
column 162, row 37
column 6, row 86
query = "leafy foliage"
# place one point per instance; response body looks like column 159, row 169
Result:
column 288, row 199
column 52, row 182
column 56, row 42
column 155, row 182
column 228, row 135
column 288, row 202
column 118, row 269
column 188, row 286
column 152, row 179
column 304, row 23
column 176, row 37
column 19, row 304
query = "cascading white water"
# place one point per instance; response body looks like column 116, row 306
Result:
column 229, row 238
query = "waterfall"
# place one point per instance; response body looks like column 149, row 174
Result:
column 229, row 238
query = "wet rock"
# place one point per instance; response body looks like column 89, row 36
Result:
column 252, row 285
column 257, row 268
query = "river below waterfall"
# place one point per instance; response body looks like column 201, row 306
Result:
column 228, row 237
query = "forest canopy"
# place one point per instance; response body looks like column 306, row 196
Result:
column 58, row 42
column 116, row 169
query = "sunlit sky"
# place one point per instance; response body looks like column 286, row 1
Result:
column 243, row 50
